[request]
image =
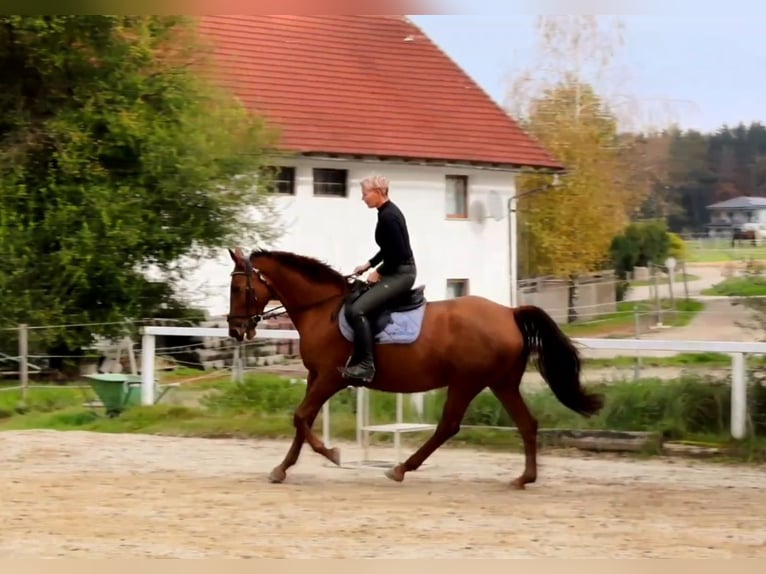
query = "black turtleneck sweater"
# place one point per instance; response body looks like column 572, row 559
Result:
column 392, row 237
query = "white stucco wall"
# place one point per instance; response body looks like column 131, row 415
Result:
column 739, row 216
column 340, row 231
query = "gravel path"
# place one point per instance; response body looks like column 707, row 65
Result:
column 80, row 494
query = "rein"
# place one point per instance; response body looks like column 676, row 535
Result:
column 251, row 298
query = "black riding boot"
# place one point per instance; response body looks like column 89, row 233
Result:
column 364, row 368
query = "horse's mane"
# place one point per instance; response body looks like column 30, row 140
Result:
column 311, row 268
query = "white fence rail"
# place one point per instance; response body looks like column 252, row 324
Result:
column 736, row 349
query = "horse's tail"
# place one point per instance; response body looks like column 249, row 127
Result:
column 557, row 359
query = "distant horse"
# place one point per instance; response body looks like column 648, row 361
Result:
column 744, row 234
column 465, row 344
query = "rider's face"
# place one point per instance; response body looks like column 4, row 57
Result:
column 371, row 196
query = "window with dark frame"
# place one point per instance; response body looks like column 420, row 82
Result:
column 284, row 181
column 456, row 196
column 330, row 182
column 457, row 288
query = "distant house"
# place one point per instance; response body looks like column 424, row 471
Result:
column 354, row 95
column 737, row 213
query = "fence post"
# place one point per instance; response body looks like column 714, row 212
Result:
column 637, row 324
column 686, row 281
column 235, row 364
column 657, row 298
column 360, row 422
column 147, row 370
column 241, row 364
column 326, row 423
column 23, row 357
column 131, row 355
column 738, row 396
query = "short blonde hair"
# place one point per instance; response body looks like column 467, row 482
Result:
column 376, row 182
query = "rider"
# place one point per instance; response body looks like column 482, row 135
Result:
column 394, row 277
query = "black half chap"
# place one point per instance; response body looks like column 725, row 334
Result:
column 379, row 293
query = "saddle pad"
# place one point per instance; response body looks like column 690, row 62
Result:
column 403, row 328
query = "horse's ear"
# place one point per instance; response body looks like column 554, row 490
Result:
column 237, row 255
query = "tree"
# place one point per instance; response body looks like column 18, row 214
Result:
column 567, row 230
column 704, row 168
column 118, row 154
column 640, row 244
column 572, row 224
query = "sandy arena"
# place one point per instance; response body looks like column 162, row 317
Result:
column 79, row 494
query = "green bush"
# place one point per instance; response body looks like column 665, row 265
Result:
column 42, row 400
column 271, row 395
column 748, row 286
column 638, row 245
column 677, row 247
column 691, row 405
column 690, row 408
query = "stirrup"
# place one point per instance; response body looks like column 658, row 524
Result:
column 359, row 371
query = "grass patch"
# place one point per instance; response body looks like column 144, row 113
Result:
column 622, row 321
column 663, row 280
column 700, row 360
column 739, row 287
column 42, row 400
column 692, row 408
column 680, row 360
column 713, row 250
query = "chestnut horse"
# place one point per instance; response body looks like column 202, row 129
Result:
column 466, row 344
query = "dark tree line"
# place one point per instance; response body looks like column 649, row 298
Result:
column 704, row 168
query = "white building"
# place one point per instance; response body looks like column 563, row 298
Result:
column 356, row 95
column 737, row 213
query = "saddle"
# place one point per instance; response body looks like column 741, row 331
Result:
column 380, row 317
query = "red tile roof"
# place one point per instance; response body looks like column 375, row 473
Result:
column 364, row 86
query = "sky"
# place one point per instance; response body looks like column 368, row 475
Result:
column 690, row 66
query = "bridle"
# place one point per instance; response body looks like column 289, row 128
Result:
column 251, row 298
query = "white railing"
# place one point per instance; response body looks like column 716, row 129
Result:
column 737, row 350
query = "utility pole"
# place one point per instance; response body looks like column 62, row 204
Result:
column 513, row 235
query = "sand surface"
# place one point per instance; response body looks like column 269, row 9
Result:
column 79, row 494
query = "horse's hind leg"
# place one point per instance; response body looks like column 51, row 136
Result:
column 509, row 396
column 458, row 399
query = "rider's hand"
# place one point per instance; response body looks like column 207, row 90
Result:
column 373, row 277
column 362, row 268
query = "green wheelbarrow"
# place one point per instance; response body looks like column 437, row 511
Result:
column 118, row 391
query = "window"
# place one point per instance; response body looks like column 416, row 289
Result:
column 284, row 181
column 457, row 196
column 457, row 288
column 330, row 182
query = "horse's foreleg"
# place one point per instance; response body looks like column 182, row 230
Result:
column 318, row 391
column 279, row 472
column 458, row 399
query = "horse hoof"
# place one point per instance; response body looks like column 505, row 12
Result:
column 334, row 456
column 277, row 476
column 521, row 482
column 395, row 473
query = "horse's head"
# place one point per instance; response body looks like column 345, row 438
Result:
column 249, row 294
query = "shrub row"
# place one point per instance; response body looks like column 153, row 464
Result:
column 691, row 405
